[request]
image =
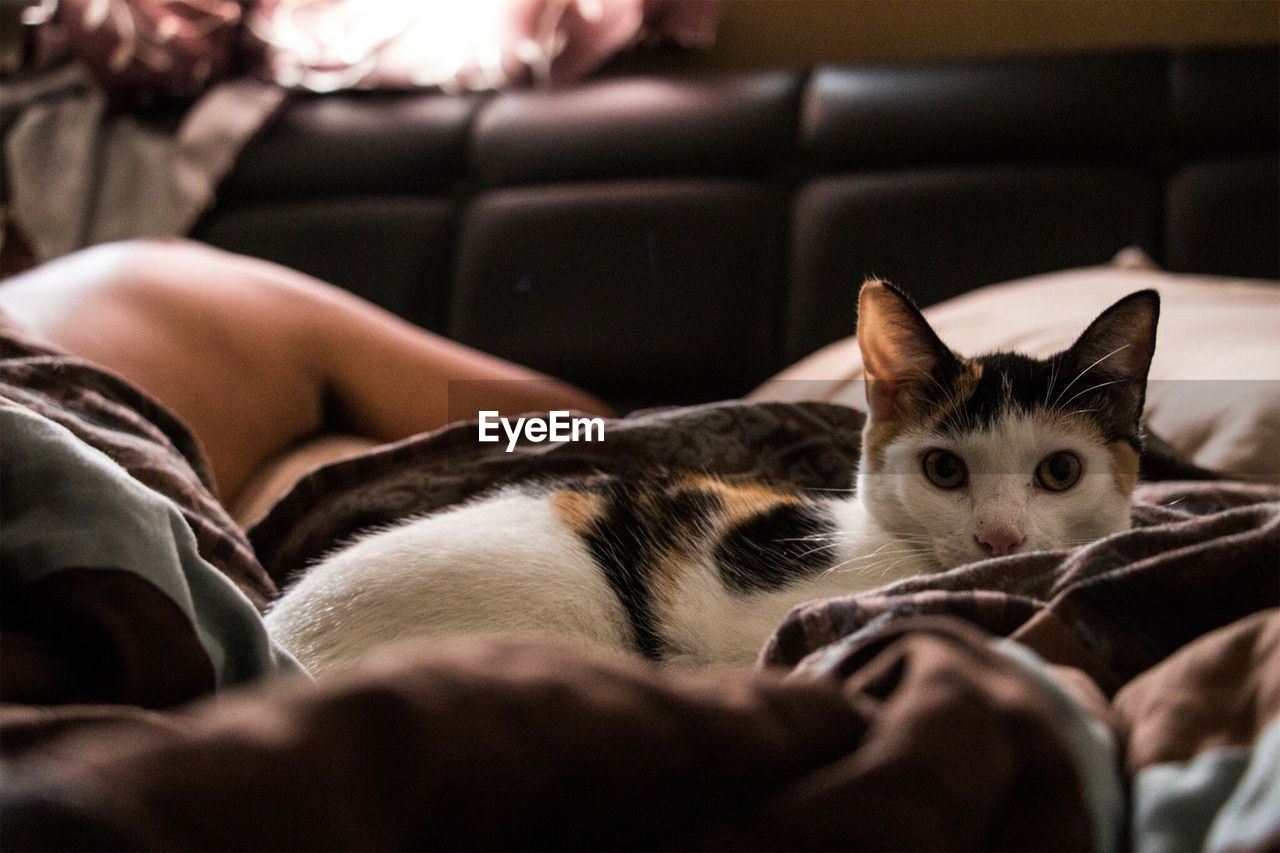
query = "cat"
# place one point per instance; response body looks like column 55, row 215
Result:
column 963, row 459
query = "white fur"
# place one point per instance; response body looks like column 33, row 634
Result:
column 1001, row 492
column 506, row 565
column 707, row 623
column 498, row 566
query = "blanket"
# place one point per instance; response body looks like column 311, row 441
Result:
column 925, row 736
column 1124, row 694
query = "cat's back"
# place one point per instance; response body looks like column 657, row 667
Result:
column 664, row 564
column 500, row 564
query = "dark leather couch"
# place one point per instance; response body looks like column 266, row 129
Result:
column 667, row 239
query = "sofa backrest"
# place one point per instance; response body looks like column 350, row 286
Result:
column 666, row 239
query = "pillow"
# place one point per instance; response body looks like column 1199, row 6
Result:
column 1213, row 391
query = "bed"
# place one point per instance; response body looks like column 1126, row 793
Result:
column 1121, row 694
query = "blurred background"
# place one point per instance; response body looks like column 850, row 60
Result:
column 767, row 33
column 663, row 201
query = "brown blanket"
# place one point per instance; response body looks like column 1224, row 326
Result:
column 1134, row 705
column 924, row 736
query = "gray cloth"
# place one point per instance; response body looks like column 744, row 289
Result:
column 68, row 506
column 79, row 174
column 1223, row 799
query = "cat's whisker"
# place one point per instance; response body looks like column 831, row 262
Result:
column 812, row 551
column 1054, row 405
column 873, row 556
column 849, row 564
column 909, row 537
column 809, row 537
column 828, row 546
column 826, row 541
column 886, row 570
column 876, row 570
column 1094, row 388
column 1053, row 378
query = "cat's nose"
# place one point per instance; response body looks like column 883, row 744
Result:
column 999, row 541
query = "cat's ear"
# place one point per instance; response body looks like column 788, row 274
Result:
column 1109, row 362
column 903, row 357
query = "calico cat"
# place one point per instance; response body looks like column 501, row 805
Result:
column 962, row 459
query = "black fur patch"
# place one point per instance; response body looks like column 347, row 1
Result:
column 768, row 551
column 1011, row 382
column 641, row 523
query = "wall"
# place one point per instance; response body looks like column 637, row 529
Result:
column 772, row 33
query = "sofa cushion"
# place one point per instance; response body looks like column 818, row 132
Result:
column 653, row 289
column 1223, row 216
column 403, row 244
column 985, row 111
column 360, row 142
column 627, row 127
column 941, row 233
column 1212, row 109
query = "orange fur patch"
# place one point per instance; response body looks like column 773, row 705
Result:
column 965, row 384
column 1124, row 466
column 738, row 503
column 741, row 500
column 578, row 510
column 882, row 432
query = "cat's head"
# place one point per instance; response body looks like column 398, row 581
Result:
column 969, row 458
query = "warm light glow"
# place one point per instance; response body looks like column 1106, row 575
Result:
column 325, row 45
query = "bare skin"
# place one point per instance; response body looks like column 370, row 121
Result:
column 259, row 359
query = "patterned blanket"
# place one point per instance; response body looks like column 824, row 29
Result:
column 1124, row 694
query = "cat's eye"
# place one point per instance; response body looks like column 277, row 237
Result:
column 1059, row 471
column 945, row 469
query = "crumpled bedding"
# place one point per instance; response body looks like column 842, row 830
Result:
column 927, row 735
column 1200, row 556
column 1120, row 695
column 123, row 579
column 118, row 603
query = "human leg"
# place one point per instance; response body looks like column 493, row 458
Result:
column 257, row 358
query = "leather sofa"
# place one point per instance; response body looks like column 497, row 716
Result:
column 663, row 239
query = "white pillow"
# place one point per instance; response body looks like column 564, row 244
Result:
column 1214, row 387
